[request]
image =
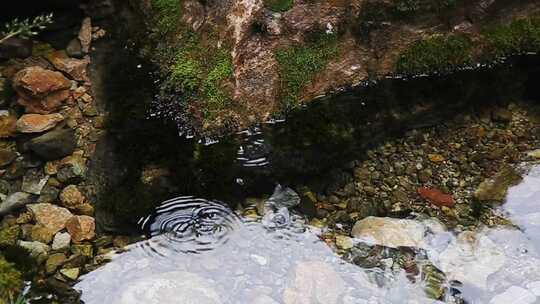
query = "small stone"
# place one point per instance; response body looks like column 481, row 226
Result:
column 50, row 216
column 41, row 234
column 84, row 209
column 36, row 123
column 84, row 250
column 14, row 201
column 74, row 68
column 436, row 158
column 74, row 49
column 48, row 194
column 495, row 189
column 61, row 241
column 501, row 115
column 71, row 196
column 54, row 262
column 33, row 181
column 8, row 125
column 55, row 144
column 71, row 273
column 436, row 197
column 36, row 249
column 389, row 232
column 344, row 242
column 81, row 227
column 7, row 156
column 72, row 169
column 90, row 110
column 534, row 154
column 85, row 34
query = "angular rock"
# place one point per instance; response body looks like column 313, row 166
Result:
column 48, row 194
column 41, row 91
column 71, row 273
column 61, row 241
column 344, row 242
column 74, row 49
column 75, row 68
column 84, row 250
column 7, row 156
column 81, row 227
column 14, row 201
column 8, row 124
column 55, row 144
column 50, row 216
column 71, row 196
column 54, row 262
column 85, row 34
column 72, row 169
column 36, row 249
column 84, row 209
column 34, row 180
column 495, row 189
column 436, row 197
column 36, row 123
column 389, row 232
column 41, row 234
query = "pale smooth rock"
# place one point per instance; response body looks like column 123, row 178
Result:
column 61, row 241
column 50, row 216
column 514, row 295
column 389, row 232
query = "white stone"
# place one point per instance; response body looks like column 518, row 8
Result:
column 534, row 287
column 314, row 283
column 471, row 258
column 389, row 232
column 514, row 295
column 61, row 241
column 35, row 249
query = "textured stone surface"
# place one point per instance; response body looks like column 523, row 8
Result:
column 55, row 144
column 71, row 196
column 35, row 123
column 50, row 216
column 34, row 180
column 14, row 201
column 389, row 232
column 81, row 228
column 61, row 241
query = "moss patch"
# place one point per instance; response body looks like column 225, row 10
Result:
column 167, row 13
column 520, row 36
column 298, row 65
column 279, row 5
column 436, row 54
column 11, row 281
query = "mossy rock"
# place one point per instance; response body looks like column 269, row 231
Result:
column 279, row 5
column 11, row 281
column 9, row 236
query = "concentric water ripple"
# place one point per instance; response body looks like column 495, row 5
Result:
column 189, row 225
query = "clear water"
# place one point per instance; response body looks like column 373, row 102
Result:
column 250, row 261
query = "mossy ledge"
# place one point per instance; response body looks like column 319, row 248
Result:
column 449, row 52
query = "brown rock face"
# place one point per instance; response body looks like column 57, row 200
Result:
column 35, row 123
column 52, row 217
column 41, row 91
column 81, row 228
column 75, row 68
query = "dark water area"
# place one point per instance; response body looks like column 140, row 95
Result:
column 144, row 160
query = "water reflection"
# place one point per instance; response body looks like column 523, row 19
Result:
column 267, row 264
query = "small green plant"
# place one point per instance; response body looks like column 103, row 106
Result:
column 298, row 65
column 26, row 28
column 279, row 5
column 167, row 13
column 517, row 37
column 436, row 54
column 11, row 281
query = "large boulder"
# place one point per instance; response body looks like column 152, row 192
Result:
column 36, row 123
column 41, row 91
column 55, row 144
column 52, row 217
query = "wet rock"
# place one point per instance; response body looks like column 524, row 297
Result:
column 514, row 294
column 389, row 232
column 85, row 35
column 71, row 196
column 307, row 204
column 41, row 91
column 37, row 250
column 48, row 194
column 495, row 189
column 55, row 144
column 54, row 262
column 71, row 273
column 14, row 201
column 14, row 172
column 84, row 250
column 61, row 241
column 84, row 209
column 74, row 68
column 9, row 235
column 74, row 49
column 314, row 282
column 36, row 123
column 81, row 228
column 33, row 181
column 501, row 115
column 7, row 156
column 436, row 197
column 16, row 48
column 4, row 187
column 50, row 216
column 471, row 258
column 284, row 197
column 344, row 242
column 41, row 234
column 72, row 169
column 8, row 124
column 534, row 154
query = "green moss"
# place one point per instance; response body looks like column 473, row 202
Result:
column 298, row 65
column 221, row 70
column 167, row 13
column 520, row 36
column 11, row 281
column 279, row 5
column 436, row 54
